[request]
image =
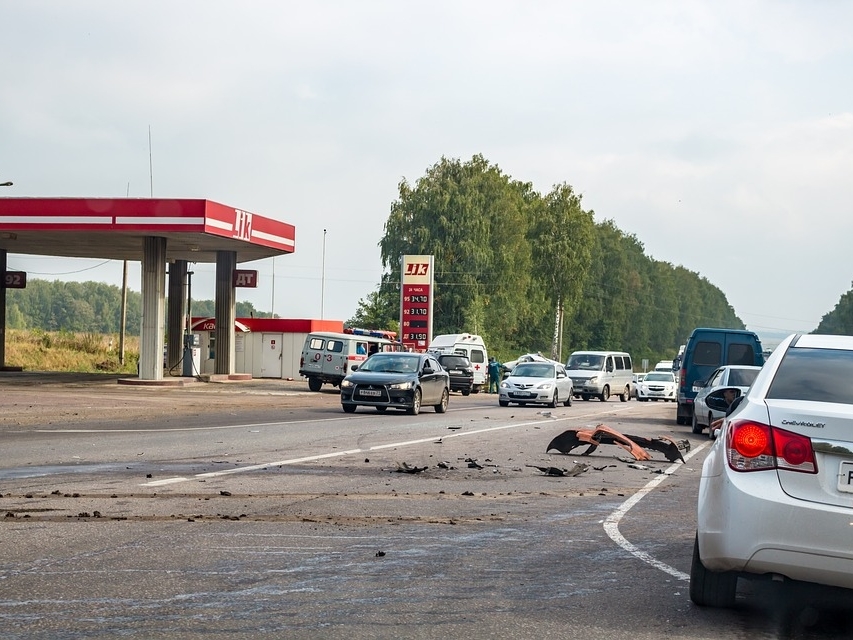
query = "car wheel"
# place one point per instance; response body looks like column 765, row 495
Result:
column 605, row 394
column 466, row 392
column 349, row 408
column 585, row 397
column 441, row 407
column 381, row 409
column 568, row 401
column 710, row 588
column 503, row 403
column 415, row 409
column 555, row 400
column 314, row 384
column 626, row 395
column 697, row 428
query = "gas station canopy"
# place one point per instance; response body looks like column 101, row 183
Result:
column 115, row 229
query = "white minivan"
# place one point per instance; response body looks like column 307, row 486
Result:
column 327, row 356
column 601, row 374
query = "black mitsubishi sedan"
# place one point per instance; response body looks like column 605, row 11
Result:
column 398, row 380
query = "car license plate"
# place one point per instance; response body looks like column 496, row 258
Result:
column 370, row 392
column 845, row 477
column 525, row 394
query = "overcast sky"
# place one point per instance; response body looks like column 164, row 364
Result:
column 719, row 133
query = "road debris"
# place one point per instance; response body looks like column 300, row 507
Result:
column 405, row 467
column 576, row 470
column 602, row 434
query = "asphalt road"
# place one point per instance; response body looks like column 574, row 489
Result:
column 262, row 510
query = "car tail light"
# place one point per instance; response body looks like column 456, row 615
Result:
column 753, row 446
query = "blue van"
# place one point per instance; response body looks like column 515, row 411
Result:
column 707, row 349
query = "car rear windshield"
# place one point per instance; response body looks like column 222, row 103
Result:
column 819, row 375
column 742, row 377
column 451, row 362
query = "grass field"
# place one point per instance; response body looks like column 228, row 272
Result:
column 35, row 350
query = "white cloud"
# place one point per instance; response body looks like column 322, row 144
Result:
column 719, row 133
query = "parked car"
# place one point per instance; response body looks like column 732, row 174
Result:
column 403, row 381
column 729, row 376
column 636, row 379
column 537, row 383
column 657, row 385
column 776, row 490
column 461, row 372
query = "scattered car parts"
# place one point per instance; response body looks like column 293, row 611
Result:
column 635, row 445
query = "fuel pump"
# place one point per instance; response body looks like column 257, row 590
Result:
column 192, row 355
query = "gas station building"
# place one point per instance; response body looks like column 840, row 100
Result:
column 166, row 235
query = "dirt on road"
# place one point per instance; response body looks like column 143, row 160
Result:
column 28, row 398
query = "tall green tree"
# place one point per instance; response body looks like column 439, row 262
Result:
column 562, row 237
column 473, row 219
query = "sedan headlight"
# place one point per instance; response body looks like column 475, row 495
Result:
column 346, row 384
column 401, row 385
column 545, row 386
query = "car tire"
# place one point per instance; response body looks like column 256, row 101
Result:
column 555, row 400
column 604, row 396
column 349, row 408
column 568, row 401
column 503, row 403
column 625, row 395
column 585, row 397
column 415, row 409
column 466, row 392
column 696, row 427
column 315, row 384
column 441, row 407
column 710, row 588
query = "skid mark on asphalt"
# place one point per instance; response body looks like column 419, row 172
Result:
column 611, row 523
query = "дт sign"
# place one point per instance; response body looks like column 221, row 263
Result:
column 15, row 280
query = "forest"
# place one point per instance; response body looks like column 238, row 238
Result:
column 534, row 272
column 88, row 307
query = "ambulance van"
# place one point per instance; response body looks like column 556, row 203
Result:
column 469, row 345
column 328, row 356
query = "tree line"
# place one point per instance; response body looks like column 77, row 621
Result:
column 88, row 307
column 535, row 272
column 839, row 321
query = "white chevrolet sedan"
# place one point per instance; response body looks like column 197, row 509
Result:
column 776, row 491
column 537, row 383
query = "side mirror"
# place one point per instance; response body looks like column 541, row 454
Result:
column 427, row 369
column 717, row 399
column 354, row 367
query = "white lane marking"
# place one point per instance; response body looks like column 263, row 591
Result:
column 207, row 428
column 338, row 454
column 611, row 523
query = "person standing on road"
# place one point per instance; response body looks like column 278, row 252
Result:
column 494, row 375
